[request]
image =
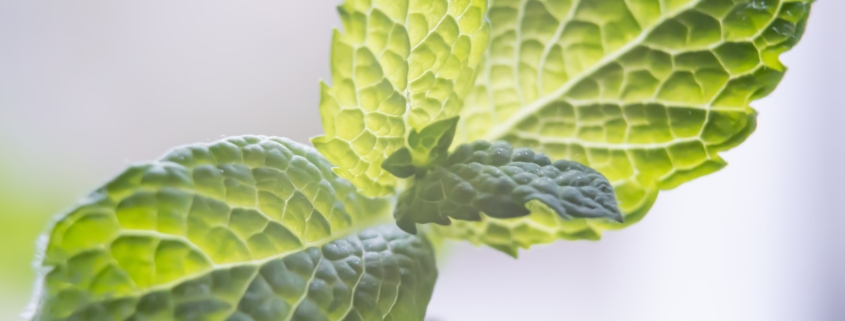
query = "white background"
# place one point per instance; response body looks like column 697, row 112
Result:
column 87, row 87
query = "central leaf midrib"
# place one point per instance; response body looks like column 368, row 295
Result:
column 259, row 262
column 500, row 130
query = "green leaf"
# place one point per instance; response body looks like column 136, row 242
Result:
column 500, row 181
column 428, row 148
column 542, row 226
column 248, row 228
column 400, row 163
column 647, row 92
column 431, row 145
column 400, row 65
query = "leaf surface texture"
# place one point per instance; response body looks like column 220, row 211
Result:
column 399, row 66
column 500, row 182
column 248, row 228
column 648, row 92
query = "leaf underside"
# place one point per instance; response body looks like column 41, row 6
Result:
column 399, row 66
column 647, row 92
column 248, row 228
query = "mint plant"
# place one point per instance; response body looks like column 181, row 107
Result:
column 510, row 123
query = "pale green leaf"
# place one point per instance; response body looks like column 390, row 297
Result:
column 248, row 228
column 398, row 66
column 648, row 92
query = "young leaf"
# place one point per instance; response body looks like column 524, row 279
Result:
column 427, row 148
column 431, row 145
column 646, row 92
column 248, row 228
column 399, row 65
column 499, row 181
column 400, row 163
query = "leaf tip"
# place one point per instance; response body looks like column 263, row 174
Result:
column 407, row 225
column 400, row 163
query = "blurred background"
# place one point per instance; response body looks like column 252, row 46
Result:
column 88, row 87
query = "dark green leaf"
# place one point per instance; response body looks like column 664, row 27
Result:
column 499, row 181
column 400, row 164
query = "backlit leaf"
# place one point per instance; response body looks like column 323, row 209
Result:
column 248, row 228
column 398, row 66
column 648, row 92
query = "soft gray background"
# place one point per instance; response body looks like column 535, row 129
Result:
column 87, row 87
